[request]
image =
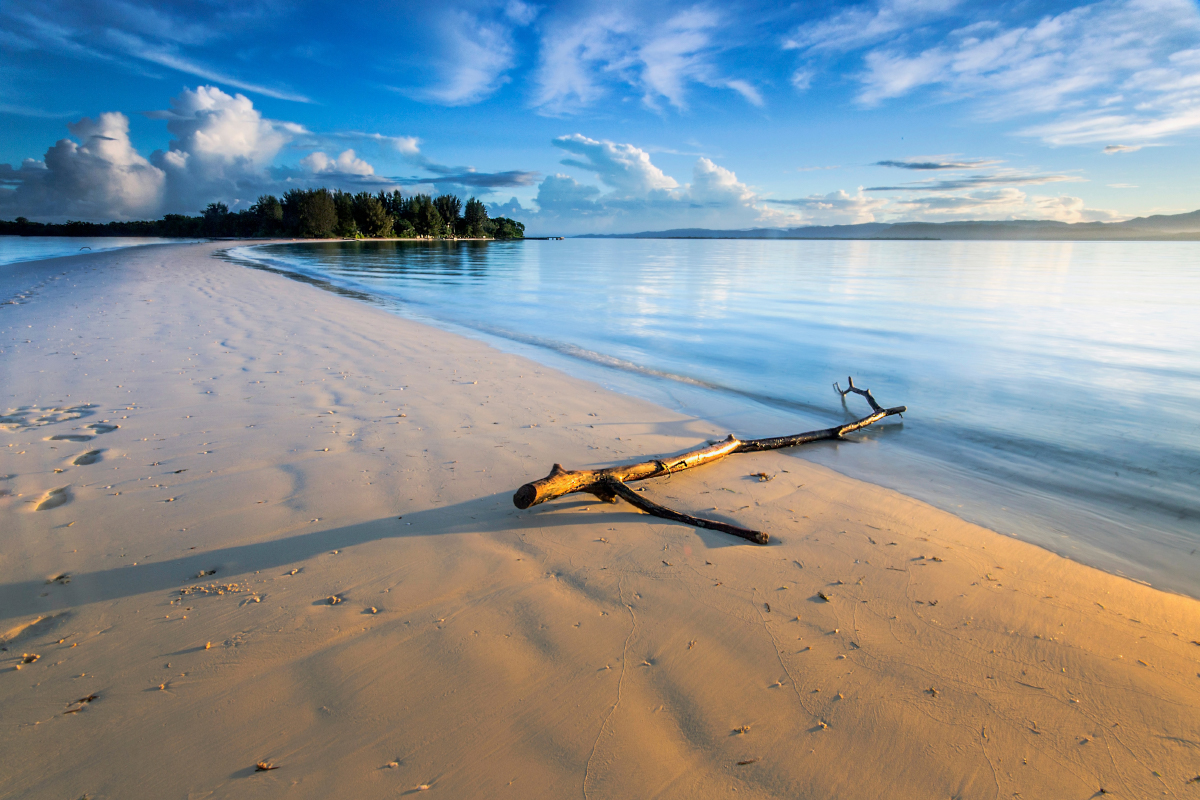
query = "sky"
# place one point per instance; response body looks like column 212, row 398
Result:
column 607, row 116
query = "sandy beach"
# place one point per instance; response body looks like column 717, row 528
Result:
column 246, row 520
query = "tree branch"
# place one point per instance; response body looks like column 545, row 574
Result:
column 563, row 482
column 650, row 507
column 610, row 483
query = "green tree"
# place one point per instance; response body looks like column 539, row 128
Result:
column 310, row 213
column 215, row 219
column 394, row 203
column 505, row 228
column 427, row 221
column 475, row 218
column 347, row 226
column 371, row 216
column 448, row 207
column 268, row 214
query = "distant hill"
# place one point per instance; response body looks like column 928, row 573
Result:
column 1176, row 227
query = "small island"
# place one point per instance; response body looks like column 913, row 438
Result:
column 308, row 214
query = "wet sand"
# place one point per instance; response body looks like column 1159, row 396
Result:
column 244, row 520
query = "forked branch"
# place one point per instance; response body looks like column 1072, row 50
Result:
column 634, row 499
column 608, row 484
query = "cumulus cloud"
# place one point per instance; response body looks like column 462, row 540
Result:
column 836, row 208
column 623, row 167
column 635, row 194
column 345, row 164
column 563, row 196
column 1071, row 209
column 222, row 148
column 101, row 176
column 638, row 195
column 715, row 186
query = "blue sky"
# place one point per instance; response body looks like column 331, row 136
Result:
column 608, row 116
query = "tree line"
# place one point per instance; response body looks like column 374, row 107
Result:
column 308, row 214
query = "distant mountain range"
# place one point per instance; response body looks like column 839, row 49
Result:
column 1176, row 227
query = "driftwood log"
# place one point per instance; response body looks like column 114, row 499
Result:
column 610, row 483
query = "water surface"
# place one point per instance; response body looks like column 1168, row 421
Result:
column 14, row 249
column 1053, row 387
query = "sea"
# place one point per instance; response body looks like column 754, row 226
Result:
column 1053, row 388
column 15, row 249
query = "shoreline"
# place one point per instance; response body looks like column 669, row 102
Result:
column 574, row 646
column 1148, row 543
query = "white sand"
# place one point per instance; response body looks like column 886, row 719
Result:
column 307, row 446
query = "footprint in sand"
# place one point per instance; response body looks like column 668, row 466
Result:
column 55, row 498
column 35, row 416
column 97, row 429
column 88, row 458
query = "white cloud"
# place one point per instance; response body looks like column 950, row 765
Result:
column 347, row 163
column 856, row 27
column 623, row 167
column 1116, row 69
column 1071, row 209
column 475, row 56
column 1113, row 149
column 222, row 146
column 407, row 146
column 211, row 125
column 1000, row 177
column 641, row 196
column 1095, row 128
column 521, row 13
column 101, row 177
column 223, row 149
column 674, row 55
column 1008, row 203
column 746, row 90
column 581, row 57
column 836, row 208
column 169, row 57
column 714, row 185
column 562, row 195
column 574, row 59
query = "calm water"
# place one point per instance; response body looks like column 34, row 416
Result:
column 33, row 248
column 1053, row 388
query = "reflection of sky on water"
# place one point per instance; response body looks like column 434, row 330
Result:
column 14, row 249
column 1053, row 386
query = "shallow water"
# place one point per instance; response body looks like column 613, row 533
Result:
column 33, row 248
column 1053, row 387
